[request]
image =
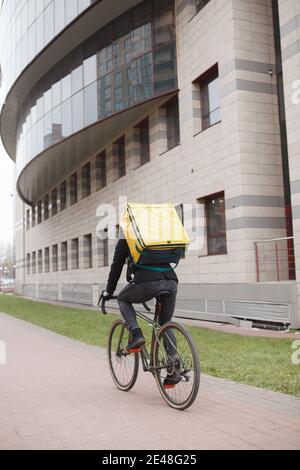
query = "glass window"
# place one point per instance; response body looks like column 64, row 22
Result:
column 25, row 18
column 120, row 156
column 71, row 10
column 165, row 68
column 144, row 141
column 34, row 262
column 66, row 87
column 60, row 15
column 75, row 253
column 77, row 111
column 40, row 136
column 73, row 189
column 48, row 130
column 103, row 250
column 213, row 89
column 63, row 195
column 54, row 201
column 90, row 104
column 33, row 112
column 49, row 22
column 56, row 94
column 40, row 107
column 40, row 33
column 77, row 80
column 28, row 219
column 33, row 216
column 86, row 180
column 164, row 26
column 39, row 6
column 83, row 4
column 100, row 164
column 172, row 123
column 31, row 42
column 90, row 70
column 210, row 97
column 40, row 261
column 47, row 101
column 31, row 11
column 57, row 125
column 216, row 224
column 47, row 260
column 24, row 52
column 28, row 263
column 64, row 256
column 46, row 207
column 39, row 212
column 66, row 118
column 54, row 258
column 87, row 251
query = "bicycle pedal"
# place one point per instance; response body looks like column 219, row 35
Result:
column 169, row 386
column 135, row 350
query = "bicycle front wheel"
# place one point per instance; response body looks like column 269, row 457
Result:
column 123, row 367
column 178, row 366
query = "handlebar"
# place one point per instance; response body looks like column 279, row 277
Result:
column 102, row 300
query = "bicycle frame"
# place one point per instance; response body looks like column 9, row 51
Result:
column 147, row 358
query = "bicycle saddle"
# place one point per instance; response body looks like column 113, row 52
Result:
column 162, row 293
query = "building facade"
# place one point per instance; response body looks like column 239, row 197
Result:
column 190, row 101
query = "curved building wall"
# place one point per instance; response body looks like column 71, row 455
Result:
column 131, row 60
column 27, row 26
column 235, row 158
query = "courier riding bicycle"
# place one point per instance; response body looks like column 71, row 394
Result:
column 152, row 240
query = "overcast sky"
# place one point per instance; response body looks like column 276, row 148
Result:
column 6, row 201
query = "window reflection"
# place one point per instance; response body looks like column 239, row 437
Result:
column 66, row 118
column 77, row 111
column 96, row 81
column 90, row 104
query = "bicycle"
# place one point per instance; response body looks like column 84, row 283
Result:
column 172, row 354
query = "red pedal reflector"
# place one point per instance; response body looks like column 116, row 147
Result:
column 169, row 386
column 134, row 350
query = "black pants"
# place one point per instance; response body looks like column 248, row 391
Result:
column 143, row 292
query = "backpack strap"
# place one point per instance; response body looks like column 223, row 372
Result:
column 155, row 268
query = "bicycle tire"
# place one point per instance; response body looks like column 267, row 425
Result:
column 121, row 385
column 196, row 360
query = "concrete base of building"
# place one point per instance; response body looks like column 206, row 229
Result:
column 228, row 303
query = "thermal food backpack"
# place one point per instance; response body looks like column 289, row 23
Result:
column 155, row 235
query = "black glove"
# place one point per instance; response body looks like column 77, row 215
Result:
column 106, row 295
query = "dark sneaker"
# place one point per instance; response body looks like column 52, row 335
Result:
column 136, row 340
column 171, row 380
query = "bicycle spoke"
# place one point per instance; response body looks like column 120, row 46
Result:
column 124, row 367
column 177, row 358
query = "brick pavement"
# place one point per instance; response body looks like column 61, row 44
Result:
column 56, row 393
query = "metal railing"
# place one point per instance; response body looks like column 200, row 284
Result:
column 275, row 259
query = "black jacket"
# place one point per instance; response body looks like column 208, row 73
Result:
column 140, row 275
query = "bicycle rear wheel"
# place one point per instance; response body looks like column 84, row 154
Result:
column 176, row 356
column 123, row 367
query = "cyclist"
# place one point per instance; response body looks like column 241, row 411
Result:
column 144, row 285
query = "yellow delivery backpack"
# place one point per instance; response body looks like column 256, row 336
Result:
column 155, row 235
